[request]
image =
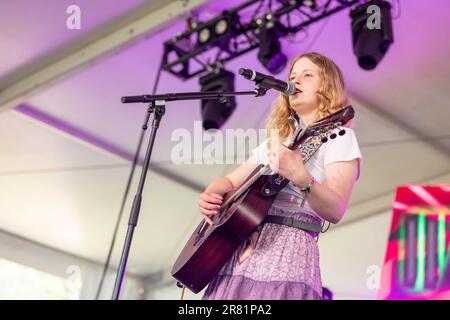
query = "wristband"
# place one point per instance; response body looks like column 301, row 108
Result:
column 309, row 186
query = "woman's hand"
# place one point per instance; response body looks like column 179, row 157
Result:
column 209, row 204
column 289, row 164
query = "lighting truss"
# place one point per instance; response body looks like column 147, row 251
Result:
column 207, row 46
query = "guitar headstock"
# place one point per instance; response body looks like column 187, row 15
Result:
column 330, row 122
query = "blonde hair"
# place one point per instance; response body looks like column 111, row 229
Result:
column 331, row 95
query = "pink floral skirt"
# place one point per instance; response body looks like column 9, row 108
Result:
column 283, row 265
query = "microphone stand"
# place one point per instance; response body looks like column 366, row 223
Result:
column 157, row 105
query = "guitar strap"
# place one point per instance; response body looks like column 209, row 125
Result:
column 276, row 182
column 274, row 185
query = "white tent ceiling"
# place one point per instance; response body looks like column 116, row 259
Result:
column 65, row 151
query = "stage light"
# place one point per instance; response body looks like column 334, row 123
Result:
column 270, row 54
column 215, row 113
column 221, row 27
column 371, row 32
column 218, row 30
column 204, row 36
column 312, row 4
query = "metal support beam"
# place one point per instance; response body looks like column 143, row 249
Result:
column 98, row 144
column 107, row 39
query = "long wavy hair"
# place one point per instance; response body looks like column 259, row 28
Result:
column 331, row 95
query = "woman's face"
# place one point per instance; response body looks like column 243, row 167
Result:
column 306, row 76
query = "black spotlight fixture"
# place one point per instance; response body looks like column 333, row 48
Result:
column 371, row 32
column 218, row 30
column 216, row 112
column 270, row 54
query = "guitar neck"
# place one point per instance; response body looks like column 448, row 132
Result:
column 264, row 169
column 312, row 129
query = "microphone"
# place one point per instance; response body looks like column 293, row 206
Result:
column 286, row 88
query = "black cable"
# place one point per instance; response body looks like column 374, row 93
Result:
column 316, row 36
column 323, row 231
column 125, row 196
column 329, row 224
column 257, row 10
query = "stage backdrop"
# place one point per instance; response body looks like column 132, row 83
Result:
column 417, row 263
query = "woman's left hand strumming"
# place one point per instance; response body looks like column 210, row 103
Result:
column 289, row 164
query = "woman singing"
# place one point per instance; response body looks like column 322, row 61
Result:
column 281, row 261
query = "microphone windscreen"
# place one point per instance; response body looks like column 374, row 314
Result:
column 290, row 89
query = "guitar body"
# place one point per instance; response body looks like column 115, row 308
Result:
column 209, row 247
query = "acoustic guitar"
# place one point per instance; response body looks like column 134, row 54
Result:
column 242, row 211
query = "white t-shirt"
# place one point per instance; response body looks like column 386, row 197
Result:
column 342, row 148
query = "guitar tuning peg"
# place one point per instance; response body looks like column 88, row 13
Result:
column 333, row 136
column 342, row 132
column 324, row 139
